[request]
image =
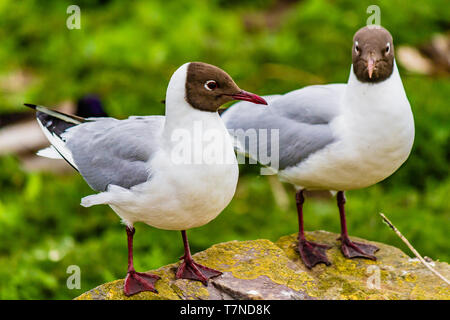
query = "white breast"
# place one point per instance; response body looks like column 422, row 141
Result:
column 184, row 194
column 374, row 136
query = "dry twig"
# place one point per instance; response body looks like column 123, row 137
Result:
column 417, row 254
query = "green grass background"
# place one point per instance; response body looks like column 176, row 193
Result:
column 127, row 51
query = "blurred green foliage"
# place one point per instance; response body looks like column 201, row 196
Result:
column 126, row 53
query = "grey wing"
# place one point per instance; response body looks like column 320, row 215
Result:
column 109, row 151
column 300, row 117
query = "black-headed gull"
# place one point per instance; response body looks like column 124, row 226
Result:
column 172, row 172
column 338, row 136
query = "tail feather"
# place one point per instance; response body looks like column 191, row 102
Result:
column 54, row 124
column 49, row 152
column 96, row 199
column 56, row 114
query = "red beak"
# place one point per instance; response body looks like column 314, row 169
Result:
column 370, row 67
column 247, row 96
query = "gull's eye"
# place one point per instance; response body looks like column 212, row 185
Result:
column 357, row 50
column 210, row 85
column 388, row 48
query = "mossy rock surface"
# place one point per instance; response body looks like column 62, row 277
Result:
column 261, row 269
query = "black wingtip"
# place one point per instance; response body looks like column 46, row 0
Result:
column 29, row 105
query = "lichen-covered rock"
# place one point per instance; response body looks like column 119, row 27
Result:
column 260, row 269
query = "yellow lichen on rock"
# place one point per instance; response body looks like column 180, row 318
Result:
column 261, row 269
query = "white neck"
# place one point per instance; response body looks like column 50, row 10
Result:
column 179, row 113
column 377, row 114
column 176, row 104
column 358, row 92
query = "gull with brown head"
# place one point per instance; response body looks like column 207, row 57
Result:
column 337, row 136
column 132, row 163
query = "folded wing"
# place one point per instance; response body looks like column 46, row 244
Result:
column 105, row 151
column 301, row 118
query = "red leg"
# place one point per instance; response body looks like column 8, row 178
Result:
column 349, row 248
column 136, row 282
column 189, row 269
column 311, row 253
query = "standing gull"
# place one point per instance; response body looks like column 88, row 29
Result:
column 338, row 136
column 153, row 169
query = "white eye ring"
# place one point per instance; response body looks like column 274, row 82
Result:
column 356, row 47
column 388, row 47
column 210, row 82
